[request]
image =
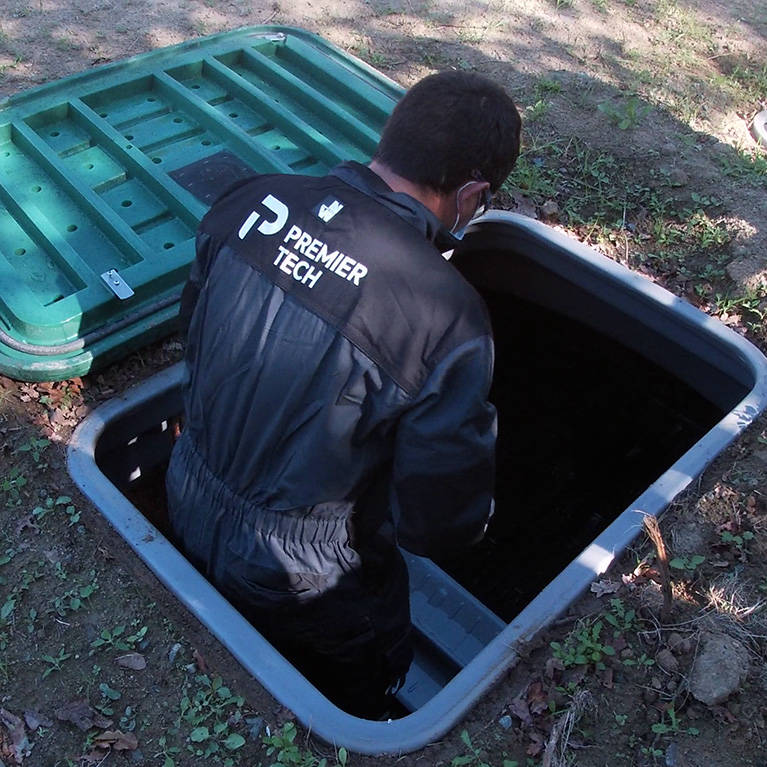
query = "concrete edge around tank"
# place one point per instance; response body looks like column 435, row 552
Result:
column 443, row 711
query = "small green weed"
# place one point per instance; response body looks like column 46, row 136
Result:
column 753, row 78
column 705, row 232
column 674, row 726
column 35, row 448
column 167, row 752
column 474, row 757
column 545, row 86
column 40, row 512
column 531, row 177
column 108, row 697
column 583, row 646
column 12, row 484
column 745, row 165
column 687, row 563
column 536, row 111
column 642, row 660
column 55, row 662
column 374, row 58
column 627, row 115
column 210, row 712
column 73, row 599
column 116, row 639
column 739, row 541
column 620, row 618
column 7, row 557
column 288, row 754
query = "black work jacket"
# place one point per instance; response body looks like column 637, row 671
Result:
column 337, row 369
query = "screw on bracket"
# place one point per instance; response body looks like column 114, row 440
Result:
column 117, row 284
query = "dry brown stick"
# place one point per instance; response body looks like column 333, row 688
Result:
column 653, row 530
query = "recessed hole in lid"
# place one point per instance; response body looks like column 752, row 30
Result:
column 126, row 203
column 103, row 114
column 178, row 119
column 6, row 154
column 19, row 251
column 129, row 136
column 72, row 228
column 55, row 133
column 157, row 160
column 90, row 166
column 167, row 245
column 151, row 98
column 276, row 147
column 233, row 114
column 195, row 87
column 205, row 142
column 36, row 188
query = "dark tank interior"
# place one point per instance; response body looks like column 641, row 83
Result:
column 584, row 426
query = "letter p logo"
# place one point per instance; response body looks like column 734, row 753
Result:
column 274, row 205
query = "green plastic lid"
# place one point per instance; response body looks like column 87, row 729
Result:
column 105, row 175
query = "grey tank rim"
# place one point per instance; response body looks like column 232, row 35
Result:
column 759, row 128
column 445, row 709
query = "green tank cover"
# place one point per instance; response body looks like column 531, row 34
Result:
column 105, row 175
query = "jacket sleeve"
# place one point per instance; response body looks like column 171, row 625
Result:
column 444, row 460
column 205, row 246
column 197, row 276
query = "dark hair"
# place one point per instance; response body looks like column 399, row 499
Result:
column 450, row 128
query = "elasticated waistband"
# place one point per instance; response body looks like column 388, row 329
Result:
column 321, row 523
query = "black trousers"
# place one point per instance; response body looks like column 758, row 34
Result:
column 353, row 642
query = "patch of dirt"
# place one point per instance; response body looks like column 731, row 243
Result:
column 607, row 683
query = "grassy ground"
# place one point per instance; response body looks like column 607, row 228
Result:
column 636, row 141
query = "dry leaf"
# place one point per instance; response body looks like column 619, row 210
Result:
column 119, row 741
column 553, row 665
column 600, row 588
column 82, row 716
column 105, row 553
column 521, row 710
column 619, row 643
column 35, row 720
column 537, row 743
column 28, row 392
column 537, row 699
column 26, row 522
column 132, row 660
column 20, row 745
column 94, row 756
column 200, row 661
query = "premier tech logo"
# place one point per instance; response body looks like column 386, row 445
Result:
column 302, row 255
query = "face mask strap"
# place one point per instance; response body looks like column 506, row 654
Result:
column 454, row 227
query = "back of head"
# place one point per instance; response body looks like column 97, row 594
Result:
column 449, row 128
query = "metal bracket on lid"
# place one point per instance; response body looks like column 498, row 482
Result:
column 117, row 284
column 272, row 37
